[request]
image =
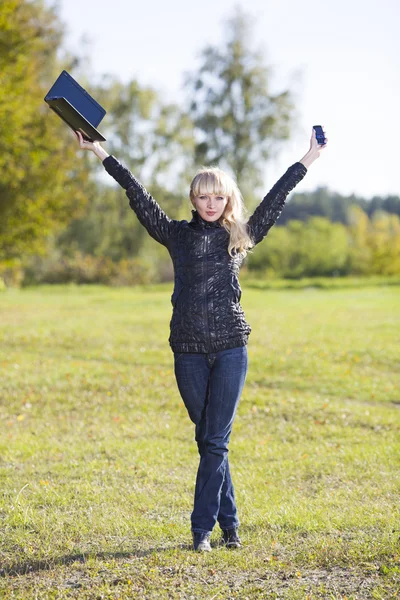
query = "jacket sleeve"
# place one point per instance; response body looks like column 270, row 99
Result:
column 268, row 211
column 149, row 213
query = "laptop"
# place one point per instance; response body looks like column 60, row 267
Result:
column 76, row 107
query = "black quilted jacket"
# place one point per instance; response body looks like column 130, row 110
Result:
column 207, row 316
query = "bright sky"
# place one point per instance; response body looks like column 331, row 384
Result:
column 340, row 57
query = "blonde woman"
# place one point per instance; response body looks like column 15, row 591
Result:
column 208, row 329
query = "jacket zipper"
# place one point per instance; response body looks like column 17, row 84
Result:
column 205, row 292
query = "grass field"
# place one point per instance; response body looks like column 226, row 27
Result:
column 98, row 459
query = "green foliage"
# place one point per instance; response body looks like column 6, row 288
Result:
column 238, row 120
column 80, row 269
column 374, row 243
column 315, row 248
column 250, row 279
column 107, row 228
column 359, row 250
column 47, row 182
column 54, row 199
column 319, row 247
column 335, row 207
column 321, row 202
column 154, row 139
column 109, row 234
column 389, row 204
column 42, row 184
column 384, row 241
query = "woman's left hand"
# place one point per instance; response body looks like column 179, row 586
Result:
column 315, row 149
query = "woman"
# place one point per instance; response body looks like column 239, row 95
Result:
column 209, row 332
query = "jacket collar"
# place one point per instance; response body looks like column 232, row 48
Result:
column 199, row 222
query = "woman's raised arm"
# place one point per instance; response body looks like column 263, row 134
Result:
column 149, row 213
column 268, row 211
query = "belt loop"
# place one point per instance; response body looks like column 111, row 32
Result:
column 211, row 356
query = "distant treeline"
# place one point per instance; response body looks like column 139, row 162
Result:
column 320, row 247
column 326, row 203
column 90, row 252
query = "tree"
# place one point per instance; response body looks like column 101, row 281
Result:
column 384, row 242
column 327, row 203
column 321, row 202
column 360, row 254
column 315, row 248
column 42, row 183
column 238, row 120
column 155, row 141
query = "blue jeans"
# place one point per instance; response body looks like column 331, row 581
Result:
column 210, row 386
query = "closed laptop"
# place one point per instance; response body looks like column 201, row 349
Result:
column 76, row 107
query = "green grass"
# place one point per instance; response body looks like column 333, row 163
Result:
column 98, row 460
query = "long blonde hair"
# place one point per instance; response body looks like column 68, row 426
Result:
column 212, row 180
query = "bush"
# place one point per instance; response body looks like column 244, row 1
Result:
column 11, row 273
column 81, row 269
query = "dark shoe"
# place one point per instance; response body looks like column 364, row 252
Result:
column 201, row 541
column 231, row 538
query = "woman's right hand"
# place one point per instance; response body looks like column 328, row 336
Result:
column 93, row 146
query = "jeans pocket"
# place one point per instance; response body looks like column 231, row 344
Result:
column 177, row 356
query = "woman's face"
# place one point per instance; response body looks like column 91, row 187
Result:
column 210, row 206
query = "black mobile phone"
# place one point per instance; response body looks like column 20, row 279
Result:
column 319, row 132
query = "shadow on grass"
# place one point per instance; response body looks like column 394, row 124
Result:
column 29, row 566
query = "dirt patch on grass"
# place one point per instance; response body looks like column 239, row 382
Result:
column 131, row 577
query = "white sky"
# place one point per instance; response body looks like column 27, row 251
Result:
column 340, row 57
